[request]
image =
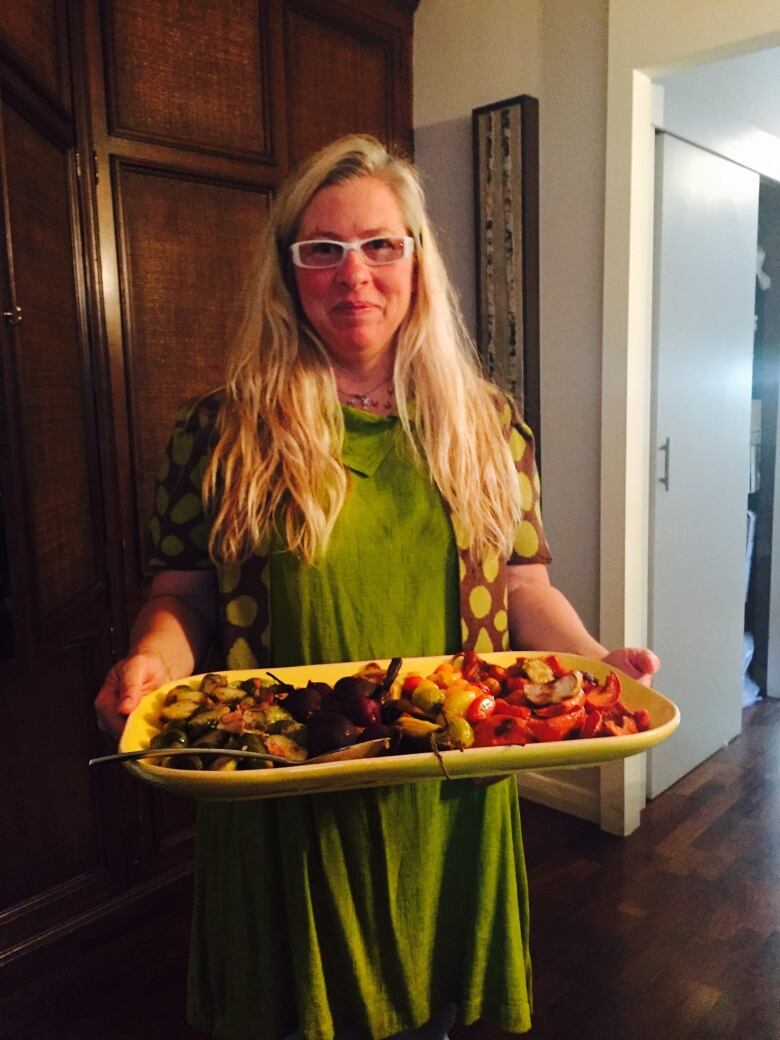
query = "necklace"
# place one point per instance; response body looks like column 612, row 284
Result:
column 367, row 401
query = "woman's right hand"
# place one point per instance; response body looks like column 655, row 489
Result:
column 125, row 684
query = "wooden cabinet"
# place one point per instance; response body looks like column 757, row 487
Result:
column 141, row 145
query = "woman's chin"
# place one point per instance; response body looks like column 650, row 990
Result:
column 358, row 349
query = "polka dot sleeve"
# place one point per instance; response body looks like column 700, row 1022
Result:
column 179, row 530
column 530, row 545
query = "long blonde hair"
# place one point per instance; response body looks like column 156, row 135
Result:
column 280, row 427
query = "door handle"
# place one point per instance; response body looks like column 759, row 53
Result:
column 665, row 478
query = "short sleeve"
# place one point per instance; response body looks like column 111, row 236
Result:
column 179, row 529
column 530, row 544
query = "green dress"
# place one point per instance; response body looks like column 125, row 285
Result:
column 364, row 910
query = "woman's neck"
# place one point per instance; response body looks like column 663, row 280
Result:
column 370, row 389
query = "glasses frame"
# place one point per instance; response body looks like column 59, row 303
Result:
column 356, row 244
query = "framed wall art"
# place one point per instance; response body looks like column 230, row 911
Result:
column 506, row 195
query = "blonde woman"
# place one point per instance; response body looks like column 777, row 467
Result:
column 355, row 491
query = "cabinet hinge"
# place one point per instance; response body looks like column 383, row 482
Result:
column 80, row 167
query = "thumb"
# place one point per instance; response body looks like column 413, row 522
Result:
column 645, row 661
column 134, row 680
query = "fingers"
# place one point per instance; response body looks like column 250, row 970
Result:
column 645, row 662
column 108, row 719
column 639, row 662
column 124, row 686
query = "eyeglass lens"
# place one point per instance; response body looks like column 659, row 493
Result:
column 326, row 253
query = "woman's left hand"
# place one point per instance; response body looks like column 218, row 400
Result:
column 638, row 662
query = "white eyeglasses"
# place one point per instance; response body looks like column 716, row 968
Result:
column 327, row 252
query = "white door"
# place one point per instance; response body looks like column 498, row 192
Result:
column 705, row 264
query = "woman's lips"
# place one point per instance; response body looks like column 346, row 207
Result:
column 357, row 307
column 354, row 311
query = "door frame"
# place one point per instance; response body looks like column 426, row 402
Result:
column 644, row 41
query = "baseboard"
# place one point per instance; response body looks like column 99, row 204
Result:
column 560, row 789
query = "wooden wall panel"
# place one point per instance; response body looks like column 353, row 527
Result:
column 49, row 366
column 187, row 248
column 53, row 823
column 131, row 275
column 192, row 75
column 33, row 34
column 339, row 80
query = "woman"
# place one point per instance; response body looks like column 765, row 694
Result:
column 357, row 491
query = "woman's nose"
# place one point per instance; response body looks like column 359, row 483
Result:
column 354, row 269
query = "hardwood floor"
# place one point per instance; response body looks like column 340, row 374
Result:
column 670, row 934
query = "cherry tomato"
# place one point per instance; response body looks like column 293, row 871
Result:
column 411, row 682
column 559, row 727
column 481, row 707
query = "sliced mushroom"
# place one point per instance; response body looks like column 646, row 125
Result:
column 554, row 692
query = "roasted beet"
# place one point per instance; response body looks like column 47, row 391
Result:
column 328, row 730
column 377, row 731
column 361, row 710
column 304, row 701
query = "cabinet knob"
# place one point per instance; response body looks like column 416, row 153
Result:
column 13, row 317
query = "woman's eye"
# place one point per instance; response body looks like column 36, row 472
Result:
column 324, row 248
column 381, row 247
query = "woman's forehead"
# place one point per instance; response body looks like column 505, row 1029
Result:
column 358, row 206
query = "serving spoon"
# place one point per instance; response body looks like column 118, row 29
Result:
column 364, row 749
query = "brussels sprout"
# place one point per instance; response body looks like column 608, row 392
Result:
column 284, row 747
column 183, row 762
column 228, row 694
column 171, row 736
column 205, row 719
column 178, row 711
column 226, row 764
column 183, row 693
column 213, row 738
column 212, row 682
column 267, row 718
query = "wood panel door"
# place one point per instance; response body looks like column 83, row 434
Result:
column 196, row 116
column 57, row 858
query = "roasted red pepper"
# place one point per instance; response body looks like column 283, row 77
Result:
column 517, row 711
column 555, row 666
column 593, row 726
column 607, row 695
column 502, row 729
column 562, row 707
column 559, row 727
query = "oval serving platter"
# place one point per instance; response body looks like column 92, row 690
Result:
column 316, row 778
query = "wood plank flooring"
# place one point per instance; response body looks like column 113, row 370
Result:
column 670, row 934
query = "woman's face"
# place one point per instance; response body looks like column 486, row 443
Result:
column 355, row 308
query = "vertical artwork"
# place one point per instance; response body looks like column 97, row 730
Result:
column 506, row 190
